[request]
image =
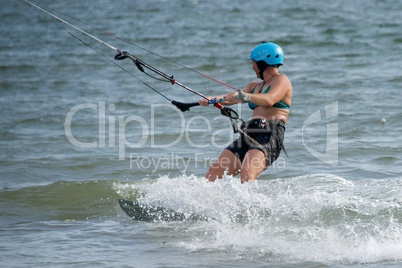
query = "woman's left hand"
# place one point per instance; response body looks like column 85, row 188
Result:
column 230, row 97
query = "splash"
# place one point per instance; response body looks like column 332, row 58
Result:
column 318, row 217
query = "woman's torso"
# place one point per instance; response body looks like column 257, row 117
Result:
column 272, row 113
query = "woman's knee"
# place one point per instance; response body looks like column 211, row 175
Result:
column 227, row 163
column 253, row 164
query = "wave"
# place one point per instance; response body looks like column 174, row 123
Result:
column 62, row 201
column 317, row 217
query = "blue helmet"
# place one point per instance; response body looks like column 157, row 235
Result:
column 270, row 53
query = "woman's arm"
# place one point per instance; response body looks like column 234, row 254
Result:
column 227, row 99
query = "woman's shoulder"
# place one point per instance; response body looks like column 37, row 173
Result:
column 283, row 80
column 282, row 76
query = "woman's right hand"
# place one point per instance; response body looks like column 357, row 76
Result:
column 204, row 102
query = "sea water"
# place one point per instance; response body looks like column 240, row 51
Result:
column 79, row 132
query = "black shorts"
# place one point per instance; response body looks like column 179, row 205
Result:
column 269, row 134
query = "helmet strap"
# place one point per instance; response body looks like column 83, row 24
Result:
column 262, row 65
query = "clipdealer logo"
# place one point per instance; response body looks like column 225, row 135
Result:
column 112, row 130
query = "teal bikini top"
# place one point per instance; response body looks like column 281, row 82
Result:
column 280, row 104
